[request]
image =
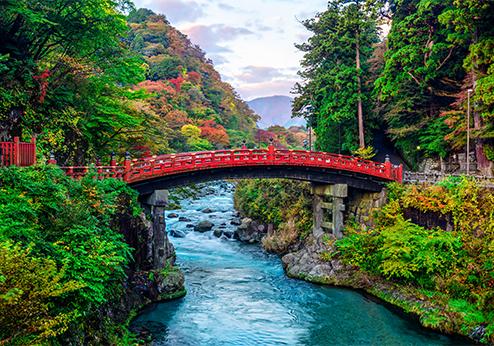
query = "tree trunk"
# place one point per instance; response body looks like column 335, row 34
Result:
column 359, row 92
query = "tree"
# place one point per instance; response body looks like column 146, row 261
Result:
column 68, row 75
column 420, row 75
column 470, row 24
column 335, row 95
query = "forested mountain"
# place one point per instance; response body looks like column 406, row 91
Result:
column 275, row 110
column 413, row 85
column 199, row 110
column 90, row 80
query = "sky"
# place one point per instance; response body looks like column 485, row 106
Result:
column 251, row 42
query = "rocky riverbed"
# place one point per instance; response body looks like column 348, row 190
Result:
column 239, row 295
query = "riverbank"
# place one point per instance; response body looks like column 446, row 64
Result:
column 444, row 278
column 312, row 264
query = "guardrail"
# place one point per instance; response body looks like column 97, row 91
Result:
column 18, row 153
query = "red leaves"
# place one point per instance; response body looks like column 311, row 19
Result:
column 177, row 82
column 214, row 133
column 42, row 79
column 158, row 86
column 194, row 77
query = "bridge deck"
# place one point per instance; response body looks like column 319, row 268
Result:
column 147, row 168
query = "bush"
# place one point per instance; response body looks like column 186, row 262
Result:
column 458, row 265
column 69, row 260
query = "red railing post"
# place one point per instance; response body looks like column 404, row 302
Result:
column 17, row 154
column 33, row 148
column 387, row 167
column 271, row 151
column 400, row 173
column 113, row 162
column 127, row 167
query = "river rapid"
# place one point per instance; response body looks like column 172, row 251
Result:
column 239, row 295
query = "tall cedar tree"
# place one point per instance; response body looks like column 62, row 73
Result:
column 334, row 97
column 470, row 24
column 420, row 77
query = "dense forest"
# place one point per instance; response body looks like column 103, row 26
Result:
column 413, row 84
column 87, row 80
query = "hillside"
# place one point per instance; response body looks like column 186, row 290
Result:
column 275, row 110
column 200, row 110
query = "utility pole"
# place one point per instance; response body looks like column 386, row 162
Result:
column 469, row 91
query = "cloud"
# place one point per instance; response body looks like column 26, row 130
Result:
column 218, row 59
column 257, row 74
column 212, row 37
column 179, row 10
column 275, row 87
column 226, row 7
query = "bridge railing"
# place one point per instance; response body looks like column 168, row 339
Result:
column 18, row 153
column 161, row 165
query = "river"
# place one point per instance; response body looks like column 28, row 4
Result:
column 238, row 295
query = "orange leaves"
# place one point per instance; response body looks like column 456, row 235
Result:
column 158, row 87
column 214, row 133
column 176, row 119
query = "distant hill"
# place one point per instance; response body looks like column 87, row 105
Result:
column 275, row 110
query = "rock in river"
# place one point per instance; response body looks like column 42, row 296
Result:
column 207, row 210
column 177, row 233
column 217, row 232
column 173, row 215
column 203, row 226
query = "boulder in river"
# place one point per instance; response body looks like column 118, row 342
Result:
column 177, row 233
column 173, row 215
column 207, row 210
column 250, row 231
column 229, row 234
column 203, row 226
column 236, row 222
column 217, row 232
column 184, row 219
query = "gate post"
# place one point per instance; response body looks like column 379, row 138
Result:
column 33, row 143
column 17, row 154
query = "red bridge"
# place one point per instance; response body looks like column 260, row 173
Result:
column 166, row 171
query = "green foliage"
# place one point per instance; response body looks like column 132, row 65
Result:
column 29, row 287
column 366, row 153
column 284, row 203
column 69, row 261
column 333, row 82
column 456, row 267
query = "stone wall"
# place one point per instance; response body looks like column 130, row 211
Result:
column 361, row 206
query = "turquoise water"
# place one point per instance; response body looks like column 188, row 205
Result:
column 239, row 295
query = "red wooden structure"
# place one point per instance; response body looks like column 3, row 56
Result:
column 142, row 169
column 18, row 153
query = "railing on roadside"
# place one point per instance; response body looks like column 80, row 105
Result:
column 18, row 153
column 435, row 177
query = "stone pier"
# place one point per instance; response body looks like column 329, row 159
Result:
column 159, row 248
column 329, row 208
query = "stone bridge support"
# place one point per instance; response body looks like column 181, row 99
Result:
column 159, row 249
column 329, row 208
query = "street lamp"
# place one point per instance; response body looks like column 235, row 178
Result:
column 469, row 91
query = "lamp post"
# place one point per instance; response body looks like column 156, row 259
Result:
column 469, row 91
